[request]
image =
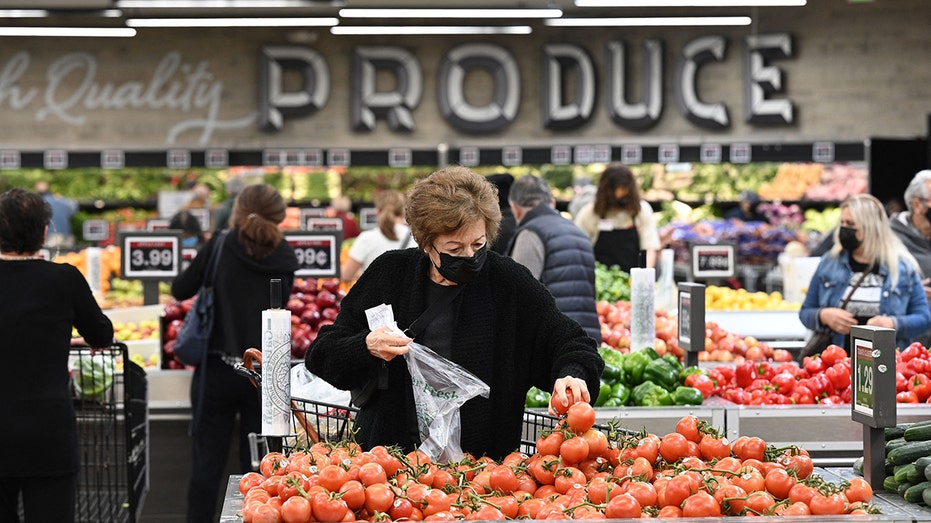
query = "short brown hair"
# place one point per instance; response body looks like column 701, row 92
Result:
column 23, row 218
column 447, row 200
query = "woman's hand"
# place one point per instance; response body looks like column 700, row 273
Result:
column 566, row 388
column 881, row 321
column 383, row 344
column 837, row 319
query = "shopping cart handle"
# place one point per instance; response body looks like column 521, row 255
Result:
column 247, row 367
column 253, row 376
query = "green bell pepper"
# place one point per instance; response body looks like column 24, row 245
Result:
column 612, row 374
column 634, row 364
column 614, row 402
column 688, row 371
column 620, row 391
column 687, row 396
column 661, row 373
column 537, row 399
column 673, row 361
column 650, row 352
column 649, row 394
column 611, row 356
column 604, row 393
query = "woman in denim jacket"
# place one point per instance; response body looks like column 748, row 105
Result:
column 890, row 295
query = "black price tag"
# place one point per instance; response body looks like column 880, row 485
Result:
column 150, row 256
column 317, row 253
column 713, row 261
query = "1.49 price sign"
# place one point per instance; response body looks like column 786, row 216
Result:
column 317, row 253
column 152, row 256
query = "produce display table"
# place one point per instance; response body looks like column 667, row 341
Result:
column 894, row 508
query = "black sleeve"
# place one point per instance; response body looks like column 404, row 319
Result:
column 92, row 324
column 186, row 284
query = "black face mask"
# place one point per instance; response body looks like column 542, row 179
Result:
column 928, row 214
column 848, row 239
column 461, row 269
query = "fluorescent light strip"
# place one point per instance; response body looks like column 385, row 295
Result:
column 93, row 32
column 430, row 30
column 689, row 3
column 217, row 4
column 658, row 21
column 232, row 22
column 23, row 13
column 450, row 13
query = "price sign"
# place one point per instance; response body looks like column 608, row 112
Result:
column 187, row 254
column 691, row 320
column 873, row 376
column 317, row 253
column 95, row 230
column 368, row 218
column 203, row 217
column 308, row 213
column 324, row 224
column 713, row 260
column 150, row 255
column 157, row 224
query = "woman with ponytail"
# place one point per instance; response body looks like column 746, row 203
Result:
column 392, row 233
column 252, row 253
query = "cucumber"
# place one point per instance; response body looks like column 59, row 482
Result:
column 926, row 496
column 890, row 484
column 918, row 433
column 915, row 475
column 896, row 432
column 922, row 462
column 903, row 472
column 909, row 452
column 890, row 468
column 903, row 487
column 928, row 473
column 858, row 466
column 914, row 494
column 894, row 443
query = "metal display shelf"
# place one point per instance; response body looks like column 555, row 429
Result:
column 762, row 325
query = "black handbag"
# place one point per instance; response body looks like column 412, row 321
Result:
column 194, row 335
column 821, row 339
column 360, row 396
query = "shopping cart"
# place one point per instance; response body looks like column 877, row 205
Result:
column 111, row 406
column 314, row 421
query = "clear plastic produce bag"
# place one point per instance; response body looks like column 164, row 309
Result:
column 440, row 388
column 93, row 376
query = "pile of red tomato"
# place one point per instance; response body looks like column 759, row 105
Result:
column 577, row 472
column 822, row 379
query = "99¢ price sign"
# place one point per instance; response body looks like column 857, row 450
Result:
column 317, row 253
column 150, row 255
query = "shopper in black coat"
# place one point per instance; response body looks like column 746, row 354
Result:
column 504, row 326
column 41, row 303
column 253, row 253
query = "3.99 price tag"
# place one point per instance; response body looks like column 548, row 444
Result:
column 317, row 253
column 150, row 256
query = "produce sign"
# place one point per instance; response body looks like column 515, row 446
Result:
column 576, row 472
column 712, row 261
column 368, row 218
column 95, row 230
column 323, row 224
column 873, row 377
column 150, row 255
column 317, row 253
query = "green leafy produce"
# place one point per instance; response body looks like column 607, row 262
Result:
column 611, row 283
column 93, row 375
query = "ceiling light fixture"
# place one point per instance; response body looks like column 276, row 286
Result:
column 690, row 3
column 85, row 32
column 344, row 30
column 222, row 4
column 232, row 22
column 23, row 13
column 450, row 13
column 658, row 21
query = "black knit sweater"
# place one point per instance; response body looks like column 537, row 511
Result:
column 508, row 332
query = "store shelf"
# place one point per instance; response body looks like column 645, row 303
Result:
column 762, row 325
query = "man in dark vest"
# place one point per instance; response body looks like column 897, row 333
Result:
column 555, row 251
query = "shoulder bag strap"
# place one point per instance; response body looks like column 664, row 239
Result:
column 846, row 300
column 214, row 261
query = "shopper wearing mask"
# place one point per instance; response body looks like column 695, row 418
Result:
column 618, row 223
column 502, row 325
column 870, row 264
